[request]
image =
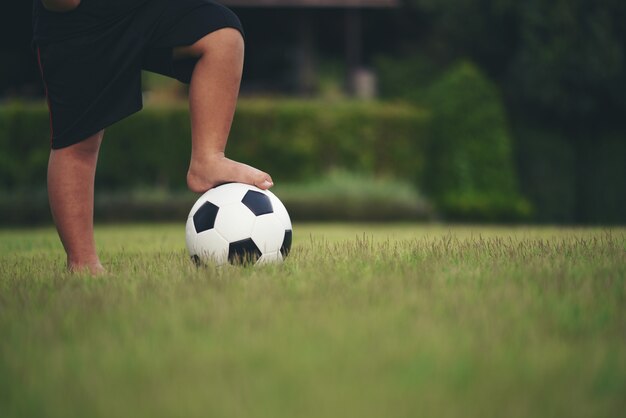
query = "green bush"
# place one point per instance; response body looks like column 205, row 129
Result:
column 460, row 155
column 471, row 173
column 293, row 140
column 298, row 140
column 568, row 177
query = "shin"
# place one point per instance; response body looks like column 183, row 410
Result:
column 71, row 174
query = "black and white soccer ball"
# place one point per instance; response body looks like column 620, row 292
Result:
column 240, row 224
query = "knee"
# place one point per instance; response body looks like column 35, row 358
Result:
column 86, row 148
column 225, row 39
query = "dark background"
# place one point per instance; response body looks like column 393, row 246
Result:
column 559, row 69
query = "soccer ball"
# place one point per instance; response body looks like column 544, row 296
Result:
column 240, row 224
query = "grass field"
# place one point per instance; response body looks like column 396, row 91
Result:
column 361, row 321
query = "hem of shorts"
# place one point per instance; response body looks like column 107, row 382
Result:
column 217, row 27
column 68, row 140
column 227, row 23
column 200, row 34
column 206, row 30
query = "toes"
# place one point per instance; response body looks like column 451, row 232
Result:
column 264, row 185
column 263, row 181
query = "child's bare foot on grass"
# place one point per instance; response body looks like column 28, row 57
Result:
column 91, row 269
column 217, row 170
column 90, row 266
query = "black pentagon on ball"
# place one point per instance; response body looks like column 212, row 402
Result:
column 286, row 247
column 243, row 252
column 204, row 218
column 258, row 203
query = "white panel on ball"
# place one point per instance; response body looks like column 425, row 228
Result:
column 280, row 210
column 212, row 246
column 190, row 235
column 234, row 222
column 268, row 233
column 228, row 194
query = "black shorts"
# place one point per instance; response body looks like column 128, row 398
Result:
column 91, row 58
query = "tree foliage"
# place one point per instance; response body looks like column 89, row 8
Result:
column 562, row 61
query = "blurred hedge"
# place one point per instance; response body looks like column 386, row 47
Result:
column 342, row 195
column 337, row 196
column 460, row 155
column 293, row 140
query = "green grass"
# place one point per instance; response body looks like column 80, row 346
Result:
column 361, row 321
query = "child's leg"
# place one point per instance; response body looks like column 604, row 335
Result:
column 213, row 97
column 71, row 173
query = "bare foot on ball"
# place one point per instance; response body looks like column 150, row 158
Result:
column 204, row 175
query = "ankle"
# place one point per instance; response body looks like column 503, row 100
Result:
column 205, row 159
